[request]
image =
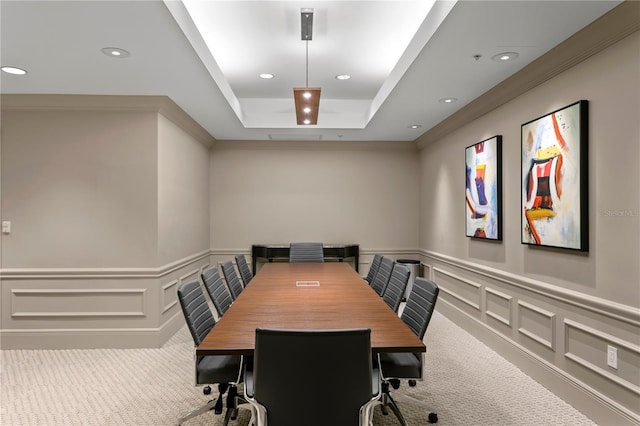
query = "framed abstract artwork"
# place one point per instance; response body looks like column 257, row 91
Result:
column 483, row 192
column 554, row 179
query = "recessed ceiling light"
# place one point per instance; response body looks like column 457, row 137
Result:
column 266, row 76
column 447, row 100
column 14, row 70
column 343, row 77
column 306, row 95
column 307, row 110
column 505, row 56
column 415, row 126
column 307, row 121
column 115, row 52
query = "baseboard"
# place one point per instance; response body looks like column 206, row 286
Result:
column 120, row 338
column 591, row 403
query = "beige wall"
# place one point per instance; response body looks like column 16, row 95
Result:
column 553, row 312
column 79, row 188
column 108, row 200
column 183, row 193
column 611, row 269
column 275, row 192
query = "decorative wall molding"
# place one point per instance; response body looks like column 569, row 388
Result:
column 551, row 318
column 310, row 145
column 427, row 271
column 157, row 104
column 98, row 273
column 549, row 375
column 619, row 343
column 145, row 298
column 394, row 252
column 534, row 313
column 227, row 252
column 193, row 274
column 166, row 290
column 73, row 294
column 477, row 287
column 590, row 303
column 505, row 298
column 88, row 338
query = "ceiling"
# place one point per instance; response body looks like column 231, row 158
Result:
column 404, row 57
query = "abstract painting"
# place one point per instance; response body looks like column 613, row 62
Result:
column 483, row 192
column 554, row 179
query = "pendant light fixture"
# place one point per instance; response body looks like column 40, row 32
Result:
column 307, row 99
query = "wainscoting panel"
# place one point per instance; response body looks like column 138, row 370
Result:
column 558, row 337
column 462, row 292
column 77, row 303
column 537, row 324
column 169, row 295
column 93, row 308
column 587, row 348
column 499, row 306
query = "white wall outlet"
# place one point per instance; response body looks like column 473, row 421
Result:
column 612, row 357
column 6, row 227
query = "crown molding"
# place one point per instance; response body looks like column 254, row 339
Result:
column 157, row 104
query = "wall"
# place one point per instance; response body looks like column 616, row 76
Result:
column 278, row 192
column 552, row 312
column 96, row 188
column 183, row 193
column 79, row 188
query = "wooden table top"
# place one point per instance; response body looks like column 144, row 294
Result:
column 342, row 300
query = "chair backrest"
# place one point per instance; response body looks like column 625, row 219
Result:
column 196, row 310
column 383, row 275
column 375, row 264
column 217, row 289
column 397, row 285
column 420, row 305
column 231, row 277
column 306, row 252
column 243, row 267
column 296, row 372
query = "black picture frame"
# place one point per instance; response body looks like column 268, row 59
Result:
column 554, row 171
column 483, row 189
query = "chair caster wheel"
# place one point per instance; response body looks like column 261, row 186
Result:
column 395, row 383
column 412, row 383
column 206, row 390
column 433, row 418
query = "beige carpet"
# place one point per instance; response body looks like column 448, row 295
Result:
column 466, row 383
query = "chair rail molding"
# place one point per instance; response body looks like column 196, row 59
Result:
column 92, row 273
column 594, row 304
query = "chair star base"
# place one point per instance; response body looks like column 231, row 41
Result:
column 233, row 403
column 388, row 402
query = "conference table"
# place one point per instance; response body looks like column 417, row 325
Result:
column 329, row 295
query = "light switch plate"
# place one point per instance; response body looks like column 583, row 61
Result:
column 6, row 227
column 612, row 356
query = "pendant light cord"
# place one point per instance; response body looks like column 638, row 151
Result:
column 307, row 63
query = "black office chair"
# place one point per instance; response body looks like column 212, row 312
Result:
column 225, row 370
column 394, row 292
column 306, row 252
column 375, row 264
column 217, row 289
column 383, row 275
column 243, row 267
column 395, row 366
column 295, row 374
column 231, row 277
